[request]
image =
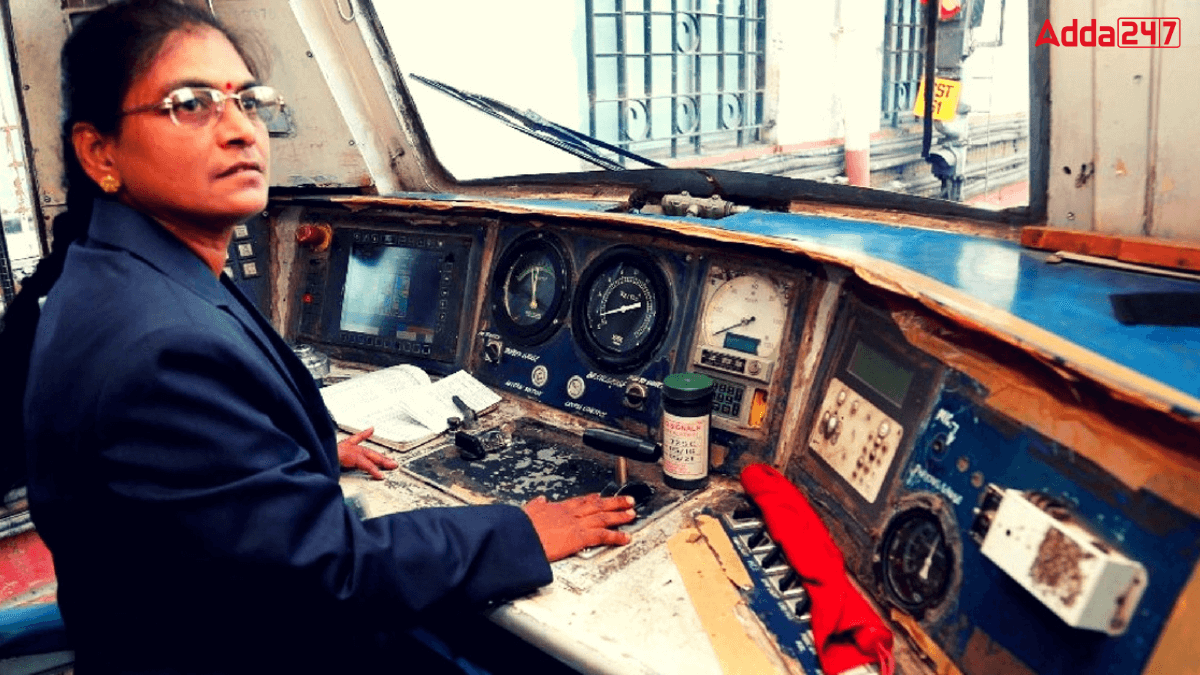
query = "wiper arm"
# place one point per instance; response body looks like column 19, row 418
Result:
column 581, row 145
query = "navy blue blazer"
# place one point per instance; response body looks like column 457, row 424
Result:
column 184, row 474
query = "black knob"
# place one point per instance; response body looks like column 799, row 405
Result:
column 622, row 445
column 492, row 351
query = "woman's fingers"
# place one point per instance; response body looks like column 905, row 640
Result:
column 360, row 436
column 569, row 526
column 351, row 455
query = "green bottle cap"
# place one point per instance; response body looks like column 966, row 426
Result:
column 687, row 386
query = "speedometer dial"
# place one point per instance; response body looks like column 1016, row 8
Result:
column 747, row 313
column 623, row 308
column 530, row 288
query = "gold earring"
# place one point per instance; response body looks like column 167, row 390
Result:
column 110, row 184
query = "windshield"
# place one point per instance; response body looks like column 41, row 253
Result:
column 830, row 92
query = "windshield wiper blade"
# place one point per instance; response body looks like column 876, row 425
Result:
column 528, row 122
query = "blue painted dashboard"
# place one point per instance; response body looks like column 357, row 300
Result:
column 1005, row 453
column 1068, row 299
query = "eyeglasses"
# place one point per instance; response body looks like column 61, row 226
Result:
column 198, row 106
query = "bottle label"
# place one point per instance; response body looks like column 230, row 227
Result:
column 685, row 446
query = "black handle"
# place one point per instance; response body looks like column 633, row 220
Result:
column 622, row 445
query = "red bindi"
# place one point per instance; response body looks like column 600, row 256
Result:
column 228, row 86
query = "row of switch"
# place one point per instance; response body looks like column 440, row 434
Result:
column 405, row 346
column 245, row 254
column 398, row 240
column 713, row 359
column 749, row 534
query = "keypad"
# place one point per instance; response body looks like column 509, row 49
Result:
column 727, row 398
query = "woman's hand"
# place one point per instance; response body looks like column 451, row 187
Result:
column 569, row 526
column 351, row 455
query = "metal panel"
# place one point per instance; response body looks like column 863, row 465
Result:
column 1072, row 188
column 321, row 150
column 20, row 245
column 1122, row 117
column 38, row 32
column 1123, row 130
column 1175, row 183
column 342, row 96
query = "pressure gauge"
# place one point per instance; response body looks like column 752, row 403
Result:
column 622, row 309
column 530, row 288
column 917, row 562
column 746, row 313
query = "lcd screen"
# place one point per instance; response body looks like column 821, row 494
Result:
column 391, row 292
column 742, row 343
column 880, row 373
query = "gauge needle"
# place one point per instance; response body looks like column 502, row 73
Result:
column 533, row 295
column 744, row 322
column 622, row 308
column 928, row 563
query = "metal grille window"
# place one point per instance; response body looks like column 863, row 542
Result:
column 903, row 60
column 676, row 78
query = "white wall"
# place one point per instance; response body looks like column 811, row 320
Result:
column 996, row 79
column 800, row 54
column 829, row 58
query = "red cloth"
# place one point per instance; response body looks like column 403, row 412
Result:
column 847, row 631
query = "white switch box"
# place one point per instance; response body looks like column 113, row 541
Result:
column 1081, row 578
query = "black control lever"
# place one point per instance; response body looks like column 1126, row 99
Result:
column 625, row 446
column 622, row 445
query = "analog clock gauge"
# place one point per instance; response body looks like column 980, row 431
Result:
column 747, row 314
column 623, row 308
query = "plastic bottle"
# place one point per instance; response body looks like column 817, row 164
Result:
column 687, row 406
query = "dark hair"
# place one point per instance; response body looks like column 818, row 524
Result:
column 100, row 61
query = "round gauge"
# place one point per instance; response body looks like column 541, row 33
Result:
column 530, row 288
column 623, row 308
column 746, row 313
column 917, row 561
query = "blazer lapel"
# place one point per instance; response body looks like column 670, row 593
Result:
column 262, row 333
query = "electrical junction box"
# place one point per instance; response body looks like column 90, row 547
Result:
column 1079, row 577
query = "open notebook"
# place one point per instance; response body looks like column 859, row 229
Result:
column 403, row 405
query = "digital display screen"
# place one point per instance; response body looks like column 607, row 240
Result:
column 391, row 291
column 741, row 343
column 880, row 373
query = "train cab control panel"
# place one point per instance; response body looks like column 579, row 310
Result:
column 962, row 511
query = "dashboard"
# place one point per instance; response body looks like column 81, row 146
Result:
column 956, row 511
column 586, row 323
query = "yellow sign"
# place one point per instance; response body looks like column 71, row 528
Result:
column 945, row 99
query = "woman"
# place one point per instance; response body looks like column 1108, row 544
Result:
column 182, row 469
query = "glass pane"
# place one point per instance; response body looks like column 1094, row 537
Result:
column 849, row 79
column 606, row 35
column 635, row 32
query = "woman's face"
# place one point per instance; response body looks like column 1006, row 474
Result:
column 209, row 177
